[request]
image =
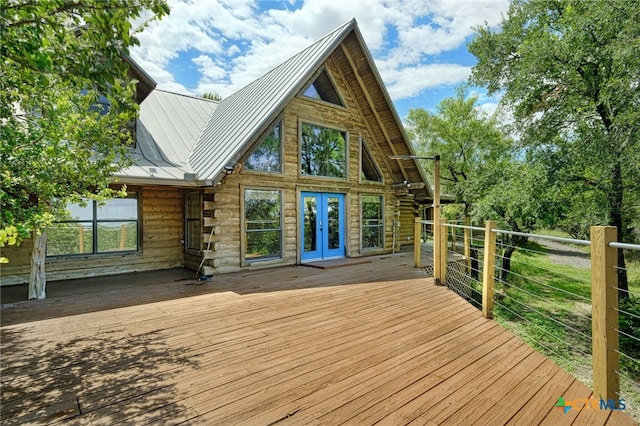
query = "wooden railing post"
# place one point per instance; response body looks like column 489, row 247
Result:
column 453, row 239
column 444, row 252
column 467, row 243
column 437, row 252
column 417, row 243
column 604, row 314
column 488, row 269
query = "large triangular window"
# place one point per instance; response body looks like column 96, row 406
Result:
column 267, row 157
column 368, row 169
column 323, row 89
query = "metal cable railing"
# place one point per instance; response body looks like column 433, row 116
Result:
column 548, row 301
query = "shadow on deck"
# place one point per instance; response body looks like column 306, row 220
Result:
column 357, row 344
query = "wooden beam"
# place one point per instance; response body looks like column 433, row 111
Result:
column 604, row 313
column 444, row 252
column 488, row 274
column 373, row 109
column 417, row 243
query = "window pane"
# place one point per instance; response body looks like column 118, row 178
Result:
column 322, row 88
column 333, row 212
column 266, row 157
column 78, row 212
column 368, row 171
column 119, row 209
column 263, row 244
column 324, row 152
column 193, row 205
column 194, row 234
column 69, row 238
column 263, row 231
column 371, row 209
column 117, row 236
column 96, row 229
column 310, row 217
column 372, row 237
column 372, row 222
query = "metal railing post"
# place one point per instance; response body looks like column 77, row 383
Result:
column 604, row 313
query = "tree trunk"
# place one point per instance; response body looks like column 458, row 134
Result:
column 37, row 278
column 616, row 200
column 506, row 262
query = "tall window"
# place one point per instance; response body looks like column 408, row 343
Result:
column 323, row 152
column 95, row 229
column 193, row 225
column 262, row 224
column 267, row 156
column 372, row 222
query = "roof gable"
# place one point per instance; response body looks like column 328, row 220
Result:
column 234, row 125
column 247, row 112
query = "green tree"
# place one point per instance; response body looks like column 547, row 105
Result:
column 569, row 71
column 466, row 138
column 516, row 193
column 484, row 169
column 65, row 106
column 214, row 96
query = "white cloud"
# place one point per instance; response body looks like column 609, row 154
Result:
column 409, row 81
column 234, row 43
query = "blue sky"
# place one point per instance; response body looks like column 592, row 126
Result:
column 419, row 46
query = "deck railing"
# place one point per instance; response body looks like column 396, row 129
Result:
column 482, row 251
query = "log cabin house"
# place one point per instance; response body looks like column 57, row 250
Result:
column 292, row 168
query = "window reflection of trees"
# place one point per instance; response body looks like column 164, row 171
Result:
column 266, row 157
column 372, row 222
column 323, row 152
column 310, row 217
column 263, row 223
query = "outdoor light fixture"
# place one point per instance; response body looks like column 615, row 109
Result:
column 229, row 169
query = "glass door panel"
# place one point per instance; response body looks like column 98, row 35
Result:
column 322, row 225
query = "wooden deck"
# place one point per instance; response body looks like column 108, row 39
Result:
column 358, row 344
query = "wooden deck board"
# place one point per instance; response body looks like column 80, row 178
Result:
column 360, row 344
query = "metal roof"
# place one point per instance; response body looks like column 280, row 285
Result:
column 245, row 114
column 169, row 126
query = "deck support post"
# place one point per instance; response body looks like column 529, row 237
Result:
column 417, row 243
column 488, row 272
column 604, row 313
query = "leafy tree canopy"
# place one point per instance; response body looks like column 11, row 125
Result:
column 467, row 140
column 570, row 73
column 65, row 103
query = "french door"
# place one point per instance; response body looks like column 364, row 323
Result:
column 322, row 230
